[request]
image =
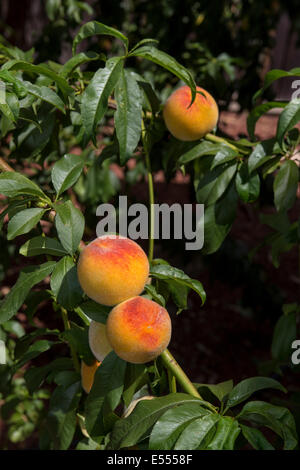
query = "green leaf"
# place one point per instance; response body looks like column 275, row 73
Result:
column 215, row 229
column 94, row 27
column 258, row 111
column 127, row 432
column 214, row 183
column 285, row 332
column 95, row 97
column 64, row 283
column 199, row 150
column 95, row 311
column 128, row 116
column 150, row 94
column 35, row 376
column 257, row 157
column 273, row 75
column 289, row 117
column 247, row 387
column 220, row 390
column 171, row 424
column 136, row 376
column 195, row 432
column 167, row 62
column 14, row 184
column 256, row 438
column 227, row 431
column 277, row 418
column 151, row 290
column 78, row 338
column 106, row 393
column 286, row 185
column 66, row 172
column 247, row 185
column 23, row 222
column 42, row 70
column 69, row 223
column 30, row 276
column 166, row 272
column 34, row 350
column 225, row 155
column 77, row 60
column 42, row 246
column 45, row 94
column 62, row 419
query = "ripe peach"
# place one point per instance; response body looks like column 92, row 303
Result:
column 187, row 122
column 87, row 375
column 98, row 341
column 138, row 330
column 112, row 269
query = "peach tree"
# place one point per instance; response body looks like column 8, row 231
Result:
column 52, row 177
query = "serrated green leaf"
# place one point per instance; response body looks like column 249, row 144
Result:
column 66, row 172
column 256, row 438
column 247, row 387
column 64, row 283
column 214, row 183
column 289, row 117
column 23, row 222
column 30, row 276
column 166, row 273
column 200, row 150
column 285, row 332
column 226, row 432
column 106, row 393
column 285, row 185
column 42, row 246
column 128, row 116
column 167, row 62
column 247, row 185
column 95, row 97
column 14, row 184
column 94, row 27
column 171, row 424
column 69, row 223
column 277, row 418
column 127, row 432
column 258, row 111
column 62, row 419
column 79, row 59
column 195, row 432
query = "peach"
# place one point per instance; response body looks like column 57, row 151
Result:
column 187, row 122
column 112, row 269
column 138, row 330
column 87, row 375
column 98, row 340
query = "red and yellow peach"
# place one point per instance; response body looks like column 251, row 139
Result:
column 138, row 330
column 193, row 122
column 112, row 269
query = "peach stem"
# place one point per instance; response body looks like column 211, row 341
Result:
column 151, row 194
column 172, row 365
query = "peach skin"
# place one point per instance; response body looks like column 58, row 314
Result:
column 187, row 122
column 98, row 340
column 138, row 330
column 112, row 269
column 87, row 375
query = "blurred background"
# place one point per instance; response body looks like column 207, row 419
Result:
column 228, row 45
